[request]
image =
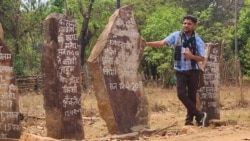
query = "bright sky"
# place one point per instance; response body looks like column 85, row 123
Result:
column 36, row 0
column 44, row 0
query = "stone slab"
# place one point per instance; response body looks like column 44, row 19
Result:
column 61, row 78
column 114, row 63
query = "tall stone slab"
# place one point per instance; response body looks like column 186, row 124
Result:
column 209, row 93
column 1, row 32
column 61, row 78
column 9, row 102
column 114, row 63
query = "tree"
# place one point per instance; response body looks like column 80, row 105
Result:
column 23, row 25
column 12, row 20
column 191, row 6
column 208, row 29
column 91, row 17
column 56, row 6
column 244, row 38
column 118, row 4
column 86, row 34
column 144, row 9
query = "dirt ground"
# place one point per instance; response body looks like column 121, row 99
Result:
column 165, row 111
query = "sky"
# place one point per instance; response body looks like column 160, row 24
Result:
column 36, row 0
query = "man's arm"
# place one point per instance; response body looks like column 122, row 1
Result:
column 189, row 55
column 157, row 44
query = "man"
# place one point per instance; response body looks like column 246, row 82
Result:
column 189, row 49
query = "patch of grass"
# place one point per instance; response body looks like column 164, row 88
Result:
column 158, row 107
column 164, row 104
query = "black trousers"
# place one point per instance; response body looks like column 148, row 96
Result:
column 187, row 85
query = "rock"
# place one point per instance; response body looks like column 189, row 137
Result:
column 138, row 128
column 189, row 129
column 209, row 93
column 114, row 63
column 217, row 122
column 32, row 137
column 9, row 97
column 9, row 139
column 61, row 78
column 1, row 32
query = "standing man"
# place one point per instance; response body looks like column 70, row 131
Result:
column 188, row 51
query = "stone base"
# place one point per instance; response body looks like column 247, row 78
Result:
column 32, row 137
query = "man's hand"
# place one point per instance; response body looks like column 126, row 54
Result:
column 144, row 42
column 188, row 55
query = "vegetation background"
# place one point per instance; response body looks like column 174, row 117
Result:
column 219, row 21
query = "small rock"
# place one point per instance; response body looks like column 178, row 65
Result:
column 189, row 129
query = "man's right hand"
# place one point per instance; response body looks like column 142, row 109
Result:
column 144, row 42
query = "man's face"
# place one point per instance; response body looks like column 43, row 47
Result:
column 188, row 26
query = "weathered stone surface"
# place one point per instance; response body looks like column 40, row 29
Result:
column 9, row 139
column 9, row 104
column 32, row 137
column 139, row 128
column 202, row 67
column 209, row 93
column 207, row 52
column 1, row 32
column 61, row 78
column 114, row 63
column 217, row 122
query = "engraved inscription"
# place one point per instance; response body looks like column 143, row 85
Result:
column 9, row 123
column 209, row 93
column 67, row 59
column 119, row 56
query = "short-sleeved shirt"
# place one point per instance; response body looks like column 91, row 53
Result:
column 185, row 64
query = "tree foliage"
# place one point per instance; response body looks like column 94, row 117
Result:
column 244, row 38
column 23, row 25
column 192, row 6
column 143, row 9
column 56, row 6
column 208, row 29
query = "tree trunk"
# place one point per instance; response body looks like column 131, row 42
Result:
column 118, row 5
column 85, row 34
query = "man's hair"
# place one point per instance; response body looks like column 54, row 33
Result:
column 190, row 17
